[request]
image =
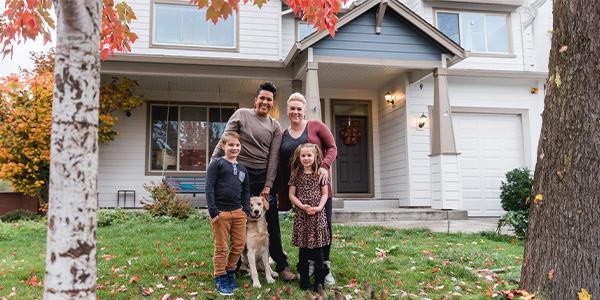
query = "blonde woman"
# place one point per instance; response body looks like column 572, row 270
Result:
column 299, row 132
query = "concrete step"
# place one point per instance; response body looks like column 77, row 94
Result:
column 395, row 214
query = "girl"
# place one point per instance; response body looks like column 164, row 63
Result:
column 309, row 196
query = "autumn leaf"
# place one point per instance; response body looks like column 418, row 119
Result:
column 584, row 295
column 538, row 198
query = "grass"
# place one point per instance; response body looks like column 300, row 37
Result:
column 175, row 257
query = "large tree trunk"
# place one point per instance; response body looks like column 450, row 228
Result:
column 564, row 225
column 71, row 245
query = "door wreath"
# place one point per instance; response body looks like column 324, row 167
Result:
column 351, row 135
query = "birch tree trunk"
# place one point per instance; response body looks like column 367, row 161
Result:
column 564, row 225
column 71, row 245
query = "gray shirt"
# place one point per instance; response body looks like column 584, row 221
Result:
column 261, row 139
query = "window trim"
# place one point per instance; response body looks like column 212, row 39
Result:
column 507, row 15
column 153, row 44
column 147, row 148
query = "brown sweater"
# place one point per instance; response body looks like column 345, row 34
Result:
column 261, row 138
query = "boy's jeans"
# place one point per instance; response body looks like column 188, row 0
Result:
column 229, row 224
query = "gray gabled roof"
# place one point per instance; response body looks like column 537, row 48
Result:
column 362, row 7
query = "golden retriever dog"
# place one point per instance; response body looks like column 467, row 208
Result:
column 256, row 253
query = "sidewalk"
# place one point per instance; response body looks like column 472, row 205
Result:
column 471, row 225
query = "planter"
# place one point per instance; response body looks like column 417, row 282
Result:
column 10, row 201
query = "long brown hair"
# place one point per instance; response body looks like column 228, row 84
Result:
column 298, row 168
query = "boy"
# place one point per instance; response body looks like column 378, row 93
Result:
column 228, row 200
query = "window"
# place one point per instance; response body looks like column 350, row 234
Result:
column 183, row 137
column 304, row 30
column 477, row 32
column 185, row 25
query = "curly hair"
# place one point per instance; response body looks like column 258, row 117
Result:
column 297, row 169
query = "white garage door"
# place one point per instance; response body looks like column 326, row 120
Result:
column 490, row 145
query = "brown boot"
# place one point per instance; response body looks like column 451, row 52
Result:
column 287, row 275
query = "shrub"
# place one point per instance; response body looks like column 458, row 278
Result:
column 519, row 220
column 18, row 215
column 516, row 190
column 165, row 200
column 515, row 200
column 106, row 217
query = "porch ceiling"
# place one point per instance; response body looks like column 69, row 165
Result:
column 199, row 84
column 342, row 76
column 331, row 76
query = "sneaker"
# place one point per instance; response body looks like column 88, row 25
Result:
column 222, row 285
column 231, row 279
column 329, row 280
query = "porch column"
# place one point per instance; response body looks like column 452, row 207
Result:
column 313, row 101
column 446, row 191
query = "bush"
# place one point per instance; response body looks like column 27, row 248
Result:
column 519, row 220
column 165, row 201
column 106, row 217
column 18, row 215
column 515, row 200
column 516, row 190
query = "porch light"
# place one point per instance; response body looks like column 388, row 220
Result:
column 422, row 120
column 389, row 98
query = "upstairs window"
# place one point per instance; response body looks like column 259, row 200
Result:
column 477, row 32
column 185, row 25
column 183, row 137
column 304, row 30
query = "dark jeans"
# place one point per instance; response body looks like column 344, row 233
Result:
column 328, row 213
column 257, row 183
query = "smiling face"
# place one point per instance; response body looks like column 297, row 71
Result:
column 295, row 111
column 307, row 158
column 232, row 148
column 263, row 103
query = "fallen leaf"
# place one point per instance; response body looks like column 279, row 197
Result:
column 583, row 295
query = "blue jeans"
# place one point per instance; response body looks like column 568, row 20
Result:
column 257, row 179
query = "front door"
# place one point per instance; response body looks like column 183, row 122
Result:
column 352, row 163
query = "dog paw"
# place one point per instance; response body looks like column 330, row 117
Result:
column 270, row 280
column 257, row 285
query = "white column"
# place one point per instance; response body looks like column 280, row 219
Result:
column 446, row 192
column 313, row 101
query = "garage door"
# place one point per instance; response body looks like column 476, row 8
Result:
column 490, row 145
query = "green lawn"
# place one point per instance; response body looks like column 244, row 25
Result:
column 175, row 257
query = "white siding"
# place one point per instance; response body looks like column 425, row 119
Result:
column 288, row 34
column 392, row 143
column 258, row 33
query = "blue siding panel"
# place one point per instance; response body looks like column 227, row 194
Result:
column 398, row 40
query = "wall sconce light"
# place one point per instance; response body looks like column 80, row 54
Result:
column 389, row 98
column 534, row 90
column 422, row 120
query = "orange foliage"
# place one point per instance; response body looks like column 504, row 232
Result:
column 26, row 120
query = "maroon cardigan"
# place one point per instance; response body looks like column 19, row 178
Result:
column 318, row 134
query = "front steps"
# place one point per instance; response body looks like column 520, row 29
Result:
column 387, row 210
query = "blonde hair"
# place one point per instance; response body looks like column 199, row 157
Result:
column 297, row 97
column 298, row 169
column 230, row 135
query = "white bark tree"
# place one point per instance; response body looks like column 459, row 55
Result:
column 71, row 244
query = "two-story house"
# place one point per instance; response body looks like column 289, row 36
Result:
column 446, row 94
